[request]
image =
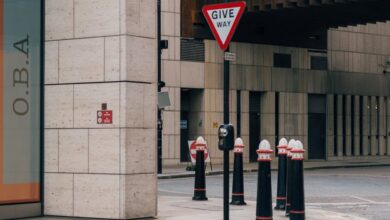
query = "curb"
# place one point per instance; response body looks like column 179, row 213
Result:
column 220, row 172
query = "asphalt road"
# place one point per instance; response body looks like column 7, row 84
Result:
column 360, row 191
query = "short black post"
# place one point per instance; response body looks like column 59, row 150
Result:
column 282, row 175
column 297, row 211
column 264, row 191
column 238, row 174
column 290, row 146
column 200, row 176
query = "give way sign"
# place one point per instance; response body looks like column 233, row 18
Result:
column 223, row 20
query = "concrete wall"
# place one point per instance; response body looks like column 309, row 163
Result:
column 100, row 51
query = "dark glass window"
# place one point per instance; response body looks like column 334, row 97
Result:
column 319, row 63
column 282, row 60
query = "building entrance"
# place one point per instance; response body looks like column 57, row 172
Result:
column 254, row 124
column 317, row 127
column 190, row 119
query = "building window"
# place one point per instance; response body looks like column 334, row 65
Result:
column 319, row 63
column 282, row 60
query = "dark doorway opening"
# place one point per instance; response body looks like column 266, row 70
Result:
column 317, row 127
column 190, row 119
column 254, row 124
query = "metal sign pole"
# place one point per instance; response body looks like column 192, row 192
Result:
column 226, row 80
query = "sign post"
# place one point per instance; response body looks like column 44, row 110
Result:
column 223, row 20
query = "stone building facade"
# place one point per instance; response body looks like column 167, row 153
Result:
column 100, row 51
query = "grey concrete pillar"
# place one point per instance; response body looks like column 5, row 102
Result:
column 374, row 126
column 382, row 125
column 356, row 128
column 340, row 145
column 348, row 132
column 388, row 125
column 366, row 125
column 330, row 125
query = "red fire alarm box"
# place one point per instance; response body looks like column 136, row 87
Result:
column 104, row 117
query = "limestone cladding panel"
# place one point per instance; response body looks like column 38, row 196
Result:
column 168, row 24
column 171, row 73
column 81, row 60
column 51, row 150
column 138, row 105
column 59, row 19
column 73, row 150
column 59, row 106
column 140, row 60
column 96, row 18
column 96, row 196
column 138, row 151
column 140, row 196
column 245, row 124
column 213, row 76
column 173, row 51
column 169, row 122
column 140, row 18
column 89, row 99
column 192, row 74
column 104, row 148
column 112, row 58
column 59, row 194
column 213, row 54
column 51, row 62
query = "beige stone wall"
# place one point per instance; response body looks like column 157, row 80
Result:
column 360, row 48
column 100, row 51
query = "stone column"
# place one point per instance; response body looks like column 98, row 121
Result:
column 366, row 125
column 100, row 52
column 382, row 126
column 374, row 128
column 356, row 109
column 348, row 137
column 330, row 125
column 388, row 125
column 340, row 144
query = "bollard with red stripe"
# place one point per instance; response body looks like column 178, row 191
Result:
column 238, row 175
column 264, row 191
column 200, row 176
column 290, row 146
column 297, row 211
column 282, row 175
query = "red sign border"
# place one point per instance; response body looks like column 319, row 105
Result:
column 206, row 8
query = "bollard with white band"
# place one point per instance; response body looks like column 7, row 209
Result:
column 264, row 190
column 238, row 175
column 200, row 176
column 290, row 146
column 282, row 175
column 297, row 211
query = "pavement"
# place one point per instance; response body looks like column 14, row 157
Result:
column 179, row 171
column 182, row 208
column 330, row 193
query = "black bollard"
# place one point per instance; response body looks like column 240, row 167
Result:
column 238, row 175
column 290, row 146
column 282, row 175
column 264, row 191
column 297, row 211
column 200, row 177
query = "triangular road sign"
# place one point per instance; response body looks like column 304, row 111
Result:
column 223, row 20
